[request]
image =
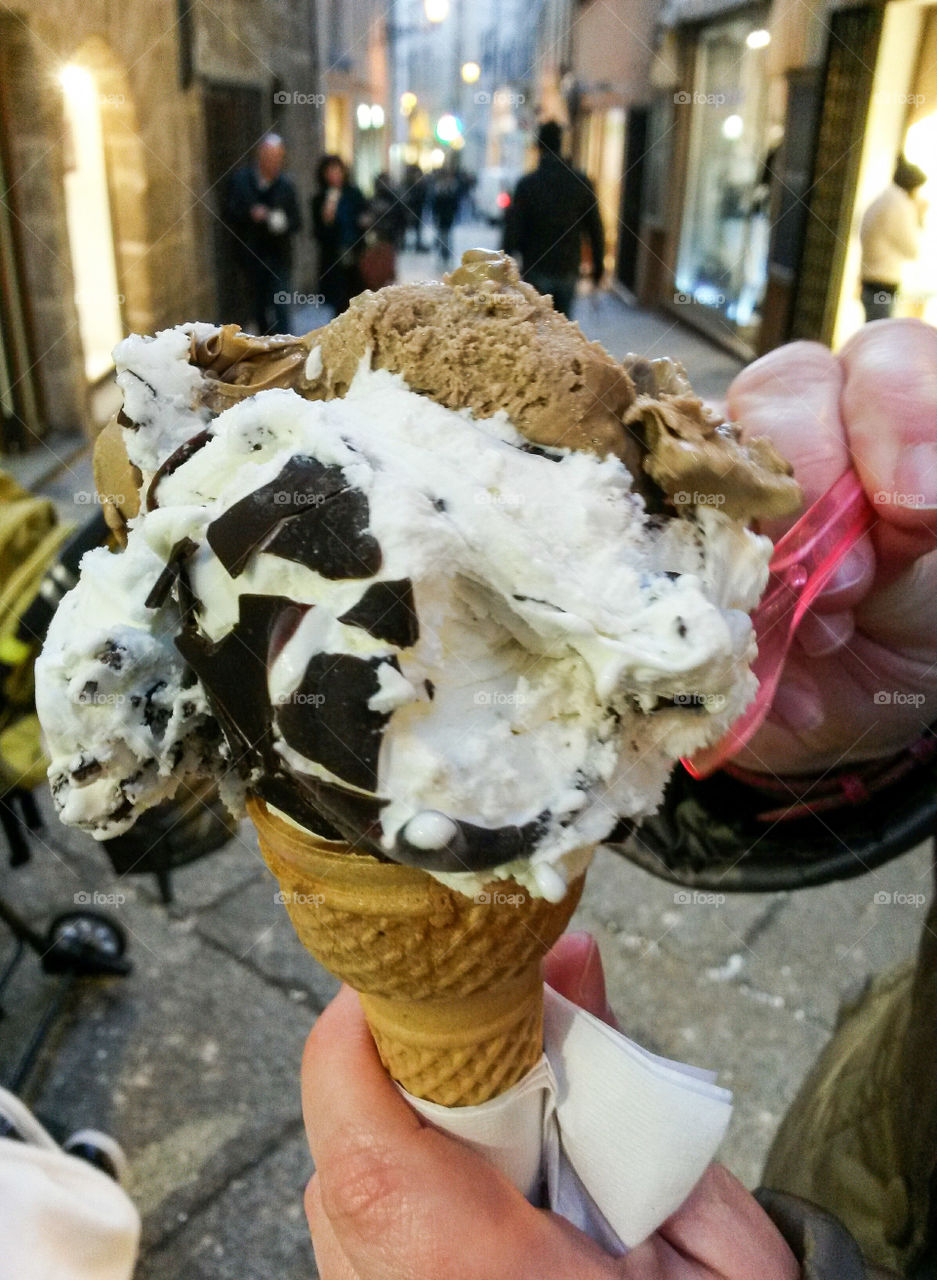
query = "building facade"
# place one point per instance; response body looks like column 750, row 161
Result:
column 118, row 134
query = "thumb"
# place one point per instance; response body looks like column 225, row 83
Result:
column 574, row 969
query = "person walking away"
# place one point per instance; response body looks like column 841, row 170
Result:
column 338, row 219
column 447, row 192
column 553, row 209
column 377, row 264
column 415, row 189
column 890, row 236
column 262, row 212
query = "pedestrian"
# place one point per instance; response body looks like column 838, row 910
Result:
column 415, row 190
column 447, row 191
column 338, row 222
column 262, row 212
column 890, row 235
column 553, row 210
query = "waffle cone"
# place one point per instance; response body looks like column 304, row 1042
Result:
column 450, row 985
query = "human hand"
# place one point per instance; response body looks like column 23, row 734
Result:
column 860, row 681
column 393, row 1199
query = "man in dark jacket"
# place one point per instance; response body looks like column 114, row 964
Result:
column 553, row 208
column 262, row 212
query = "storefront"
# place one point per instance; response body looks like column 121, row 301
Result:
column 722, row 251
column 902, row 119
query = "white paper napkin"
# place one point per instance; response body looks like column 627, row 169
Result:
column 615, row 1136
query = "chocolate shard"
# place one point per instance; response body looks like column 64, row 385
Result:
column 184, row 548
column 233, row 671
column 327, row 810
column 308, row 514
column 474, row 848
column 331, row 539
column 327, row 718
column 387, row 612
column 174, row 462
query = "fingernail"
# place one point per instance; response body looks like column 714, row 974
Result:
column 800, row 708
column 823, row 633
column 848, row 574
column 915, row 481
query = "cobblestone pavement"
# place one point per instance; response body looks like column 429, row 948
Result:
column 192, row 1061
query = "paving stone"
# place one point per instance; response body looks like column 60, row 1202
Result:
column 254, row 928
column 253, row 1230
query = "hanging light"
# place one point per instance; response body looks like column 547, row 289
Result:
column 408, row 103
column 436, row 10
column 448, row 127
column 470, row 72
column 758, row 39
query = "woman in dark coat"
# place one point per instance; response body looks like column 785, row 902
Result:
column 338, row 210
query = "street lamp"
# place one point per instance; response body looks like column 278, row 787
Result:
column 470, row 72
column 436, row 10
column 448, row 128
column 408, row 103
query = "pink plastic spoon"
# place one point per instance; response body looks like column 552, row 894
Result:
column 802, row 563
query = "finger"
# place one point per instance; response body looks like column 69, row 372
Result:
column 723, row 1227
column 793, row 396
column 331, row 1262
column 404, row 1201
column 890, row 403
column 574, row 969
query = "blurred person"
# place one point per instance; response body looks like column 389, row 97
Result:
column 384, row 219
column 387, row 212
column 446, row 191
column 553, row 209
column 415, row 191
column 339, row 215
column 392, row 1197
column 890, row 235
column 262, row 210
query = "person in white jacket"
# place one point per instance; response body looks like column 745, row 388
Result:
column 890, row 235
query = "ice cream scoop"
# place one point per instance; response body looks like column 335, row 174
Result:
column 453, row 586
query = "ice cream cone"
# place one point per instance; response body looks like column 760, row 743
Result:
column 450, row 984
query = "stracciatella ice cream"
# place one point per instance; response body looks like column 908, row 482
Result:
column 442, row 579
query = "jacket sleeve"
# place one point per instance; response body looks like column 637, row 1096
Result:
column 237, row 201
column 291, row 209
column 819, row 1242
column 596, row 233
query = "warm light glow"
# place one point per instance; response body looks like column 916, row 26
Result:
column 363, row 116
column 759, row 39
column 408, row 102
column 436, row 10
column 377, row 116
column 76, row 82
column 448, row 127
column 470, row 72
column 436, row 157
column 733, row 127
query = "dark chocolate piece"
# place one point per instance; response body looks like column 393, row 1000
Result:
column 387, row 612
column 233, row 671
column 326, row 809
column 474, row 848
column 184, row 548
column 331, row 539
column 327, row 718
column 303, row 488
column 175, row 460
